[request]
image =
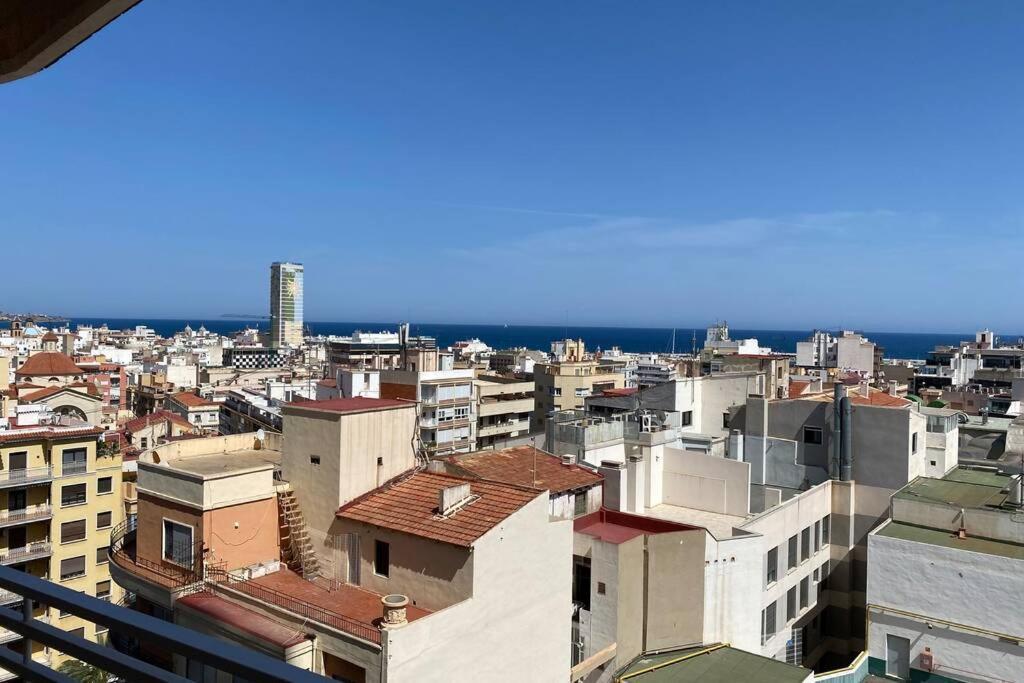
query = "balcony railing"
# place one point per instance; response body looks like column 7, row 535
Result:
column 32, row 475
column 70, row 468
column 25, row 515
column 503, row 428
column 122, row 553
column 241, row 662
column 32, row 551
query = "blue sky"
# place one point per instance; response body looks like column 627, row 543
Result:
column 782, row 165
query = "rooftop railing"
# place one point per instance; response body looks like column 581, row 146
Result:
column 240, row 662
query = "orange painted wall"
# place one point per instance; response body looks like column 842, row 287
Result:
column 255, row 539
column 406, row 391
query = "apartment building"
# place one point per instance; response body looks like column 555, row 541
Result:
column 446, row 403
column 286, row 304
column 850, row 352
column 505, row 407
column 944, row 576
column 566, row 385
column 379, row 571
column 196, row 410
column 60, row 495
column 383, row 351
column 775, row 367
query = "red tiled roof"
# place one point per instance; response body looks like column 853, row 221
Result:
column 253, row 623
column 357, row 404
column 34, row 433
column 878, row 398
column 527, row 466
column 190, row 400
column 625, row 391
column 618, row 527
column 154, row 418
column 331, row 383
column 409, row 505
column 797, row 388
column 50, row 336
column 48, row 364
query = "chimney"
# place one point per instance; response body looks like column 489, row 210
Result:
column 865, row 388
column 451, row 498
column 568, row 459
column 893, row 387
column 394, row 610
column 614, row 474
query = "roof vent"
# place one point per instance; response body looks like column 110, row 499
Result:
column 451, row 498
column 568, row 459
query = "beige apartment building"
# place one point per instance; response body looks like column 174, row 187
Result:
column 60, row 495
column 566, row 385
column 505, row 407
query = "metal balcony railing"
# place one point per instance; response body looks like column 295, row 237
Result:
column 122, row 553
column 70, row 468
column 32, row 551
column 240, row 662
column 31, row 475
column 33, row 514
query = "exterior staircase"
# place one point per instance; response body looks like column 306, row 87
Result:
column 299, row 553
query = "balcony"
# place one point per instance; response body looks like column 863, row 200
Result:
column 25, row 477
column 123, row 556
column 72, row 468
column 505, row 407
column 234, row 660
column 7, row 636
column 504, row 428
column 32, row 551
column 36, row 513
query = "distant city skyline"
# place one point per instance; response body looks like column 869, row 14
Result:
column 784, row 166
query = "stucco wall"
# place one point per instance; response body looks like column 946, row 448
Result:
column 515, row 627
column 705, row 482
column 243, row 534
column 732, row 574
column 675, row 589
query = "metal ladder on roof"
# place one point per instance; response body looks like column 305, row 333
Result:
column 299, row 553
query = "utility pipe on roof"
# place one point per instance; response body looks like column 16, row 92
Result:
column 846, row 459
column 837, row 396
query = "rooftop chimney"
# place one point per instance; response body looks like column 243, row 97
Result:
column 893, row 387
column 568, row 459
column 451, row 498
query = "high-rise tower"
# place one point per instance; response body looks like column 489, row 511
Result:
column 286, row 304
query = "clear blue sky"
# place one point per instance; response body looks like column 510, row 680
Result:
column 782, row 165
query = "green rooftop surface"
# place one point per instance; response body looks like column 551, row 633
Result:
column 962, row 487
column 722, row 665
column 947, row 539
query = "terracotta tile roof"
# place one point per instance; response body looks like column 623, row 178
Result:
column 331, row 383
column 618, row 527
column 527, row 466
column 140, row 423
column 35, row 433
column 190, row 400
column 625, row 391
column 358, row 404
column 409, row 505
column 878, row 398
column 243, row 619
column 50, row 336
column 48, row 364
column 797, row 388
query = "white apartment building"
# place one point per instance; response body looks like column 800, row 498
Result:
column 446, row 402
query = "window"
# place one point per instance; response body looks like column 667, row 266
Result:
column 103, row 520
column 687, row 418
column 772, row 571
column 792, row 552
column 73, row 461
column 104, row 485
column 462, row 413
column 177, row 543
column 823, row 574
column 817, row 536
column 768, row 623
column 805, row 544
column 813, row 435
column 932, row 463
column 73, row 494
column 381, row 558
column 791, row 603
column 725, row 420
column 815, row 575
column 556, row 391
column 825, row 522
column 582, row 392
column 579, row 504
column 581, row 581
column 101, row 554
column 805, row 584
column 103, row 590
column 314, row 460
column 72, row 567
column 144, row 443
column 72, row 531
column 913, row 442
column 600, row 588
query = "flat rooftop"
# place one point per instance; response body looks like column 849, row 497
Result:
column 966, row 488
column 710, row 664
column 616, row 527
column 946, row 539
column 234, row 462
column 720, row 525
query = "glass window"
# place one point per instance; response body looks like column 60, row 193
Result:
column 581, row 582
column 104, row 485
column 825, row 523
column 103, row 590
column 791, row 603
column 579, row 504
column 72, row 531
column 768, row 623
column 792, row 552
column 772, row 561
column 817, row 536
column 73, row 494
column 805, row 584
column 913, row 442
column 73, row 461
column 103, row 520
column 687, row 418
column 101, row 554
column 72, row 567
column 177, row 543
column 805, row 544
column 813, row 435
column 381, row 558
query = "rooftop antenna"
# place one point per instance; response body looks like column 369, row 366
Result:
column 693, row 343
column 673, row 341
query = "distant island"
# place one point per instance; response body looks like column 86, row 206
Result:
column 245, row 316
column 35, row 317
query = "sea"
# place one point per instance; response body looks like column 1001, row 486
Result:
column 631, row 339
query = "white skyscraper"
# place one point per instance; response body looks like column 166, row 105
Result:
column 286, row 304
